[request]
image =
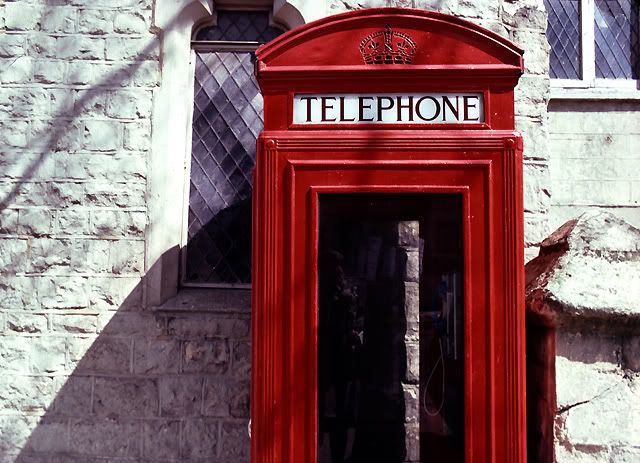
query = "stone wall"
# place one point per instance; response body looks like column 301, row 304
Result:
column 90, row 372
column 594, row 158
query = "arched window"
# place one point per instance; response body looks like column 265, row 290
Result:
column 227, row 118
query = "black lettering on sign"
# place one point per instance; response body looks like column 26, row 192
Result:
column 308, row 100
column 467, row 105
column 383, row 107
column 362, row 107
column 446, row 103
column 324, row 105
column 408, row 106
column 342, row 116
column 436, row 113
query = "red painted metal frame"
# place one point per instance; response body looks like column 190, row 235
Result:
column 296, row 165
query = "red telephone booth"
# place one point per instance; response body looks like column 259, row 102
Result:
column 388, row 321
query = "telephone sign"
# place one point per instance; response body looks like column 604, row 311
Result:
column 388, row 272
column 395, row 108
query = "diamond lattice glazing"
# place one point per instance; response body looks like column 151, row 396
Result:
column 563, row 32
column 617, row 44
column 227, row 118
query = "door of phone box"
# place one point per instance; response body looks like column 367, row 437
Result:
column 388, row 321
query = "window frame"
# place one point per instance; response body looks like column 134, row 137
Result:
column 589, row 86
column 211, row 46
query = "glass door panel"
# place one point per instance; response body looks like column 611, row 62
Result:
column 390, row 329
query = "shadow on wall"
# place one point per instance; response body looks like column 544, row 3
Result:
column 108, row 379
column 165, row 385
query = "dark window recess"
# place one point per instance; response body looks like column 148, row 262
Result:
column 617, row 45
column 563, row 32
column 227, row 118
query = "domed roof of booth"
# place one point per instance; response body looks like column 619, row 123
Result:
column 391, row 37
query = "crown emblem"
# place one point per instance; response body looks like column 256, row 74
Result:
column 388, row 47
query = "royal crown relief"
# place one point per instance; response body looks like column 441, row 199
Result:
column 388, row 47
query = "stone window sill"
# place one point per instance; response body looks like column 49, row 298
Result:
column 218, row 300
column 595, row 93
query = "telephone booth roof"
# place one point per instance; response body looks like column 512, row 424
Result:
column 439, row 45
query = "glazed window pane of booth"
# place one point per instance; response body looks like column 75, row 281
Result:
column 390, row 329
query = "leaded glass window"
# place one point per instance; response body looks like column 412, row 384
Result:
column 227, row 118
column 594, row 40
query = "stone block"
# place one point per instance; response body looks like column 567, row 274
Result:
column 94, row 21
column 137, row 136
column 161, row 440
column 79, row 47
column 79, row 73
column 234, row 441
column 42, row 46
column 74, row 324
column 132, row 397
column 144, row 74
column 71, row 222
column 29, row 102
column 200, row 439
column 241, row 366
column 104, row 222
column 101, row 135
column 104, row 355
column 129, row 48
column 20, row 322
column 211, row 356
column 124, row 293
column 96, row 436
column 9, row 221
column 216, row 398
column 525, row 14
column 14, row 355
column 13, row 254
column 412, row 403
column 126, row 256
column 59, row 19
column 16, row 430
column 49, row 71
column 35, row 222
column 50, row 255
column 409, row 234
column 536, row 47
column 180, row 396
column 535, row 136
column 90, row 256
column 21, row 16
column 537, row 197
column 92, row 103
column 239, row 399
column 156, row 356
column 16, row 70
column 74, row 395
column 50, row 435
column 129, row 104
column 24, row 394
column 413, row 363
column 206, row 326
column 135, row 324
column 19, row 293
column 12, row 45
column 130, row 22
column 48, row 354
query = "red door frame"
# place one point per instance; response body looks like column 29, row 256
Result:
column 295, row 165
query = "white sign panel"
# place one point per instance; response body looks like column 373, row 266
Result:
column 392, row 108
